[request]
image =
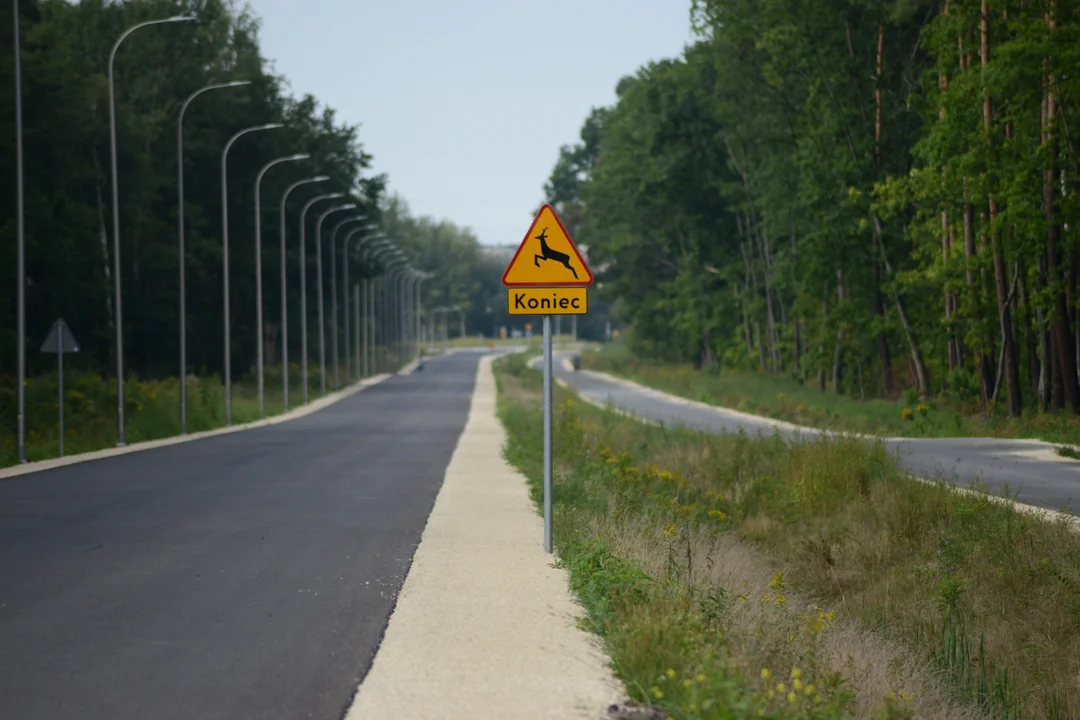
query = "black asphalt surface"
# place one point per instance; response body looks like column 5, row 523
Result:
column 249, row 575
column 1052, row 484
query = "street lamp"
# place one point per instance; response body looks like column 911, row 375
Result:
column 318, row 269
column 397, row 264
column 225, row 256
column 180, row 215
column 122, row 436
column 303, row 285
column 345, row 264
column 411, row 281
column 258, row 271
column 20, row 233
column 376, row 312
column 417, row 310
column 284, row 305
column 333, row 294
column 367, row 352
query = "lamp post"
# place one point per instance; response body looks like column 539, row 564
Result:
column 303, row 285
column 284, row 304
column 393, row 270
column 118, row 309
column 225, row 257
column 181, row 251
column 345, row 285
column 420, row 309
column 411, row 282
column 377, row 312
column 318, row 269
column 258, row 272
column 333, row 296
column 20, row 234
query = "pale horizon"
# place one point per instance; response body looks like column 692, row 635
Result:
column 465, row 107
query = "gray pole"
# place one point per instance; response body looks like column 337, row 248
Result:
column 258, row 275
column 303, row 287
column 118, row 309
column 345, row 286
column 361, row 331
column 60, row 379
column 356, row 322
column 417, row 310
column 370, row 327
column 403, row 317
column 284, row 287
column 225, row 259
column 378, row 330
column 393, row 305
column 406, row 304
column 547, row 434
column 180, row 251
column 369, row 304
column 20, row 231
column 333, row 297
column 319, row 273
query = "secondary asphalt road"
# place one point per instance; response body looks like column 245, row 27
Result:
column 1029, row 468
column 249, row 575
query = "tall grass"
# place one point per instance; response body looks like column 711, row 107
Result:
column 784, row 398
column 151, row 407
column 922, row 600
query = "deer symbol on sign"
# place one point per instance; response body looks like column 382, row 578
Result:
column 546, row 253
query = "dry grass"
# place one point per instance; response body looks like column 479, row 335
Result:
column 964, row 605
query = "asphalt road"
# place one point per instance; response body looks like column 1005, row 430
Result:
column 249, row 575
column 1046, row 481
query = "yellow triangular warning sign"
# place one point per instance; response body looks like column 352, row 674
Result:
column 547, row 256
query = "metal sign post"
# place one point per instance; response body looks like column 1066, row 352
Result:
column 548, row 424
column 547, row 289
column 60, row 341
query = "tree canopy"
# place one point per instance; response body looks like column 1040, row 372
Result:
column 876, row 195
column 69, row 228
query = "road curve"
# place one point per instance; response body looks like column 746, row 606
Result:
column 1027, row 467
column 249, row 575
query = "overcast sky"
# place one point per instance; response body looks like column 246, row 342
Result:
column 464, row 104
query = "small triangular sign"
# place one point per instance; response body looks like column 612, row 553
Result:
column 52, row 340
column 547, row 256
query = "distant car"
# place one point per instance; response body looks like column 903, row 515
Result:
column 576, row 361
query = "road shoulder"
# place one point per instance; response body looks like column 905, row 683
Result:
column 485, row 626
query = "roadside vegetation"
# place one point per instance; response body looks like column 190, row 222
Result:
column 151, row 407
column 733, row 576
column 785, row 398
column 69, row 264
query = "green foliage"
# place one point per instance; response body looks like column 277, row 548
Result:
column 68, row 192
column 785, row 398
column 69, row 227
column 646, row 519
column 822, row 195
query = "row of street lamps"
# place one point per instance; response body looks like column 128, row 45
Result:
column 381, row 245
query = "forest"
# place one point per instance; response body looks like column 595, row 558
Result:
column 205, row 82
column 875, row 197
column 65, row 50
